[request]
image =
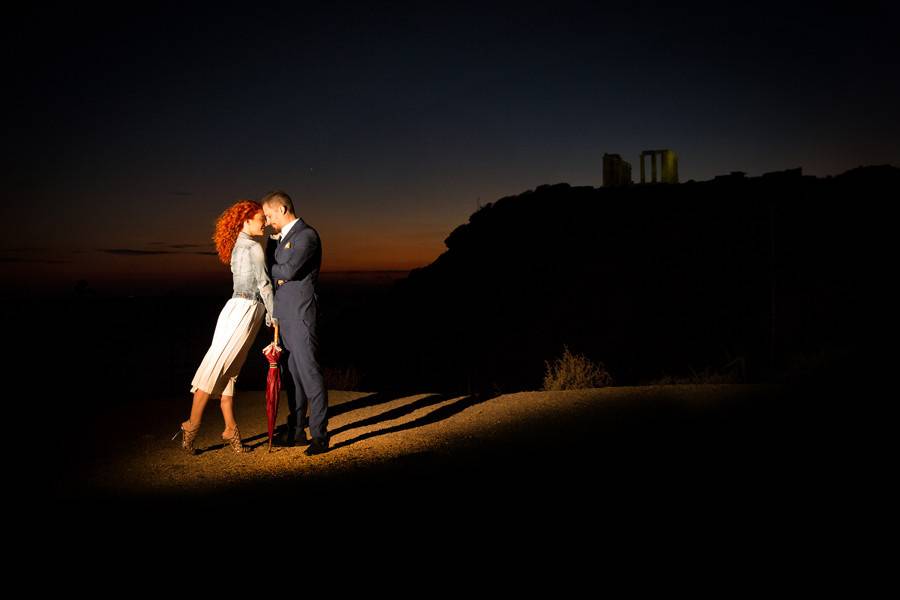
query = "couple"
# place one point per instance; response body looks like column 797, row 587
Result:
column 294, row 267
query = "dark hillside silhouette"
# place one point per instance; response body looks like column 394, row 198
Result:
column 763, row 278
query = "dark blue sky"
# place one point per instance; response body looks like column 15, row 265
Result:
column 133, row 129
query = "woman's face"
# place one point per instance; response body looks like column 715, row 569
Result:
column 256, row 225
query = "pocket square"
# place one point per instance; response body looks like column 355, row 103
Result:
column 288, row 245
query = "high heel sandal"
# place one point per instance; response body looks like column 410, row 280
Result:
column 235, row 442
column 187, row 438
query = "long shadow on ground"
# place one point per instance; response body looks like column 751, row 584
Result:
column 658, row 455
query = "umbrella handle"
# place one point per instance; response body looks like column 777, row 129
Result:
column 276, row 334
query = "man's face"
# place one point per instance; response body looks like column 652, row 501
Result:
column 274, row 216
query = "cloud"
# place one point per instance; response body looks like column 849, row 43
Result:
column 181, row 246
column 33, row 256
column 140, row 252
column 132, row 252
column 43, row 261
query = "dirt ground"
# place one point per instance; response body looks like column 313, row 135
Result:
column 736, row 460
column 409, row 437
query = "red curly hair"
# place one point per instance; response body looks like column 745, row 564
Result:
column 229, row 225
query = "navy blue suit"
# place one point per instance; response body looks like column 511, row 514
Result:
column 295, row 274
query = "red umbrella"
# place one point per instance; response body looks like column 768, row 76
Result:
column 272, row 352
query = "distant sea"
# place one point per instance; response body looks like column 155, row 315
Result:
column 112, row 345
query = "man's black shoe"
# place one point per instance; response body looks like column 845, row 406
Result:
column 317, row 447
column 286, row 440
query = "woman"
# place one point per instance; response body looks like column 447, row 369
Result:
column 238, row 322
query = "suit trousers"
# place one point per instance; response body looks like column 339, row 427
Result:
column 306, row 391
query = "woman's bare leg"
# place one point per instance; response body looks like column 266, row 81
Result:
column 227, row 404
column 200, row 399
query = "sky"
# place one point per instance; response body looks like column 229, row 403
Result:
column 130, row 129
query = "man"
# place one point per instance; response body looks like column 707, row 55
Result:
column 295, row 274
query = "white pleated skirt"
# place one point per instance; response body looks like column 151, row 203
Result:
column 236, row 330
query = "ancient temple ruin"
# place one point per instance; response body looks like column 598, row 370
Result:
column 668, row 163
column 616, row 172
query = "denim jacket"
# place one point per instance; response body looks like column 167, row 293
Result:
column 248, row 266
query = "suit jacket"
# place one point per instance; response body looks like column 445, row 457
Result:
column 296, row 262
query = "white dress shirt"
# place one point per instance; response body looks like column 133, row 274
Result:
column 286, row 228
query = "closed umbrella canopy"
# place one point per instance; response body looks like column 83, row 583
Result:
column 272, row 352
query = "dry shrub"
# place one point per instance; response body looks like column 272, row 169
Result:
column 345, row 379
column 575, row 372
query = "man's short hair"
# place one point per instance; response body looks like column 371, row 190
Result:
column 279, row 198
